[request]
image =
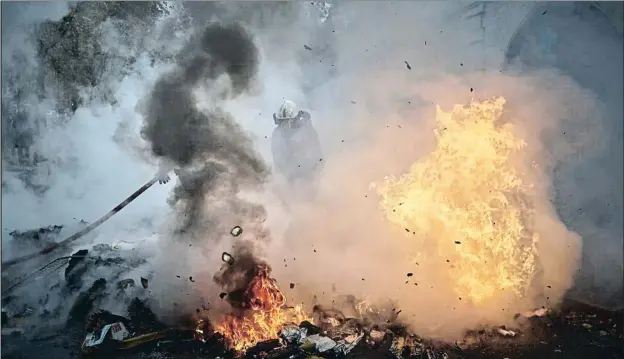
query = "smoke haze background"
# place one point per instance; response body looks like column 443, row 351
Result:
column 374, row 117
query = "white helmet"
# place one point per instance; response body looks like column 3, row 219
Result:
column 288, row 109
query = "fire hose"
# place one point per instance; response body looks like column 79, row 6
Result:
column 87, row 229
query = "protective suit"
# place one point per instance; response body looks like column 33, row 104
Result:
column 295, row 145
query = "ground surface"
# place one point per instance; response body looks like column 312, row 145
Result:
column 579, row 331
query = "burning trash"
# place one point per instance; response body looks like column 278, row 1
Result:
column 259, row 313
column 259, row 323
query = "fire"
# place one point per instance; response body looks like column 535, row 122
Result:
column 264, row 316
column 469, row 202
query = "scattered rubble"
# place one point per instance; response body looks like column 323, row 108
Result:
column 330, row 332
column 294, row 335
column 348, row 339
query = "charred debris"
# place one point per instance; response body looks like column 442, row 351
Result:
column 573, row 331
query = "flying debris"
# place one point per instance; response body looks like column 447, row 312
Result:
column 236, row 231
column 227, row 258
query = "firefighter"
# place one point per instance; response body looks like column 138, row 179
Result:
column 295, row 145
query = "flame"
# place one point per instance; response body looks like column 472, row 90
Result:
column 265, row 314
column 468, row 202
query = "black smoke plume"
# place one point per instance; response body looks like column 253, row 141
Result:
column 208, row 147
column 236, row 279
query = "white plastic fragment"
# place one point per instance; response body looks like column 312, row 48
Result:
column 505, row 332
column 321, row 344
column 236, row 231
column 541, row 312
column 227, row 258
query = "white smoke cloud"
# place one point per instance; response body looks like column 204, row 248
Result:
column 97, row 156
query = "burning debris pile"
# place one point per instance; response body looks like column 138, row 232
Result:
column 261, row 325
column 259, row 307
column 493, row 246
column 263, row 330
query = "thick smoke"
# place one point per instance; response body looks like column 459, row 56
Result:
column 377, row 119
column 370, row 75
column 208, row 146
column 235, row 279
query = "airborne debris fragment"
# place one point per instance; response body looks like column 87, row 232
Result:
column 227, row 258
column 307, row 47
column 144, row 283
column 408, row 65
column 236, row 231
